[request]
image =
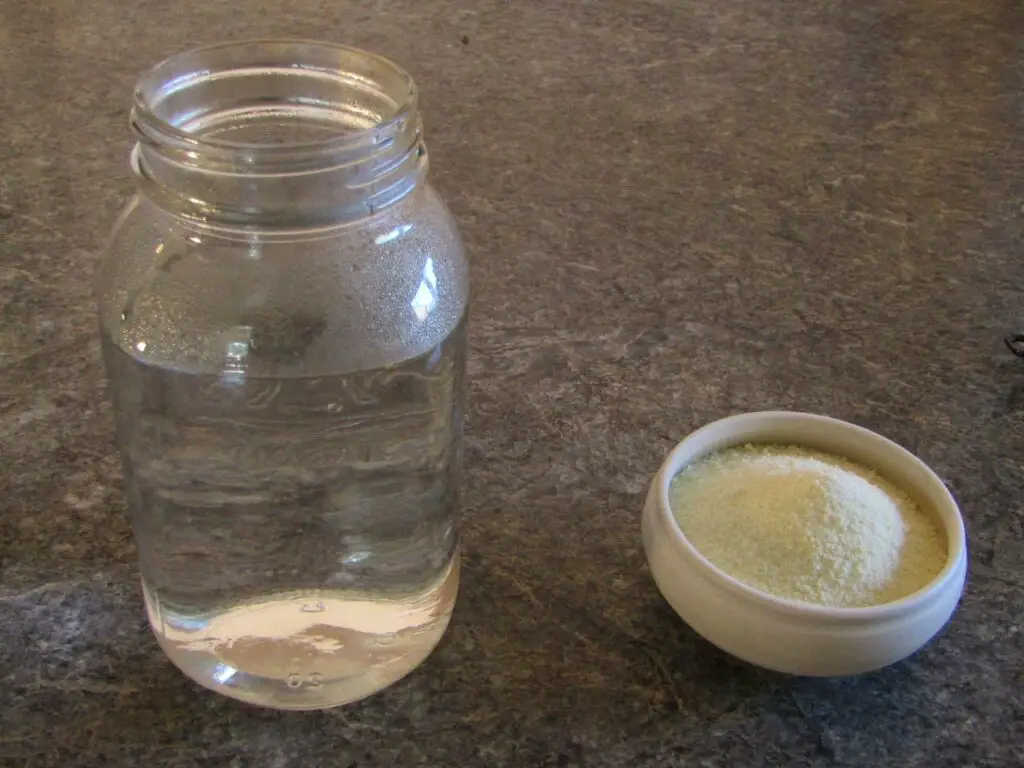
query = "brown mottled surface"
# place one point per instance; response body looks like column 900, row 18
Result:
column 677, row 210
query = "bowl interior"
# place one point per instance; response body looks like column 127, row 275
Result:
column 829, row 435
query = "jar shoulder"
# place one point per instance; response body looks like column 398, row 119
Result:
column 387, row 287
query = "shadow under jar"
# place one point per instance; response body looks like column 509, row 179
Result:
column 282, row 309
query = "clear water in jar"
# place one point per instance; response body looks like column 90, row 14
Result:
column 298, row 536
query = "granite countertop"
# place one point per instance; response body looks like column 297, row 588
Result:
column 676, row 211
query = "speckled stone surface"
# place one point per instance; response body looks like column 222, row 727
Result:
column 677, row 211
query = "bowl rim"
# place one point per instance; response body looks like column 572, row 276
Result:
column 936, row 493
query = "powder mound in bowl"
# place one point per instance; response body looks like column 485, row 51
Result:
column 804, row 525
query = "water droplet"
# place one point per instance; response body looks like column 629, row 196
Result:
column 356, row 557
column 223, row 673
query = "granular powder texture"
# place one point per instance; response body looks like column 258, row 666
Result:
column 804, row 525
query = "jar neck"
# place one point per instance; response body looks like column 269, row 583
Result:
column 276, row 135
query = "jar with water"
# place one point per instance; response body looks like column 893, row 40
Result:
column 283, row 318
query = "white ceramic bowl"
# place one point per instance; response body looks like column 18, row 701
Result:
column 788, row 636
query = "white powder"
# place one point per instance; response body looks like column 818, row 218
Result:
column 806, row 526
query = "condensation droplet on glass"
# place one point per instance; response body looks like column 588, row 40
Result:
column 223, row 673
column 354, row 558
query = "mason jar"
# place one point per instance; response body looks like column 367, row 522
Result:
column 283, row 318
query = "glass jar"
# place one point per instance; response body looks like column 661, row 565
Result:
column 283, row 317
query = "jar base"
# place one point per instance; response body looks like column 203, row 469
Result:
column 302, row 651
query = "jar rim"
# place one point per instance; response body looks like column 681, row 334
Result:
column 298, row 56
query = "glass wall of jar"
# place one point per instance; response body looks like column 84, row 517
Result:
column 283, row 318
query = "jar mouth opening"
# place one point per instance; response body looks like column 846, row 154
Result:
column 273, row 99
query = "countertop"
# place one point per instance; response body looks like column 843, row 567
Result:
column 676, row 211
